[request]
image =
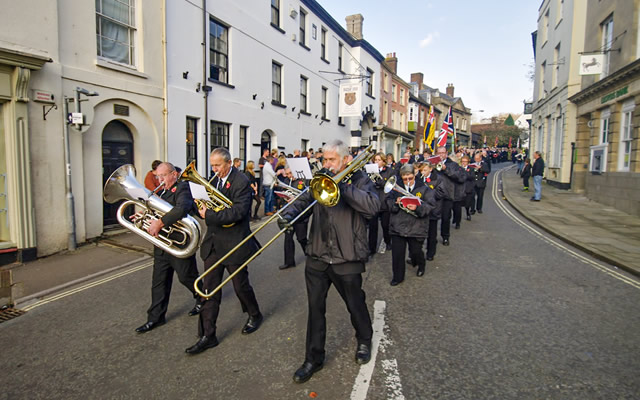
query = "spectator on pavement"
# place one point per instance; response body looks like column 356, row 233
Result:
column 537, row 171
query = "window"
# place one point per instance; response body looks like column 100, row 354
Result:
column 324, row 102
column 385, row 113
column 386, row 83
column 556, row 66
column 323, row 44
column 393, row 93
column 541, row 90
column 304, row 144
column 303, row 27
column 393, row 119
column 304, row 85
column 540, row 138
column 276, row 82
column 192, row 136
column 242, row 144
column 545, row 30
column 559, row 14
column 607, row 40
column 626, row 136
column 557, row 146
column 604, row 126
column 401, row 97
column 275, row 13
column 402, row 122
column 115, row 30
column 218, row 52
column 219, row 135
column 370, row 82
column 340, row 49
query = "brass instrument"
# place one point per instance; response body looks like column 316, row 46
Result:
column 289, row 192
column 439, row 166
column 324, row 190
column 392, row 185
column 217, row 201
column 180, row 239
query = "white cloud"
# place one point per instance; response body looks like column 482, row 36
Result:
column 429, row 39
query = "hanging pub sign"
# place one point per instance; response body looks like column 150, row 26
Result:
column 591, row 64
column 350, row 99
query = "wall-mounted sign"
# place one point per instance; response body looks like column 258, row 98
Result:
column 613, row 95
column 350, row 99
column 42, row 96
column 591, row 64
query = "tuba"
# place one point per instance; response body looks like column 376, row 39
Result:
column 180, row 239
column 217, row 201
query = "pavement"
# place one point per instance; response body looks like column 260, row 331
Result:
column 601, row 231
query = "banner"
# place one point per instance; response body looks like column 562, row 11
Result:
column 447, row 129
column 350, row 99
column 591, row 64
column 430, row 130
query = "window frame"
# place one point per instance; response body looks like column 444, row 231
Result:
column 604, row 133
column 212, row 50
column 323, row 44
column 302, row 33
column 304, row 97
column 215, row 138
column 626, row 136
column 192, row 142
column 243, row 136
column 132, row 33
column 324, row 103
column 556, row 159
column 606, row 30
column 369, row 80
column 275, row 12
column 274, row 84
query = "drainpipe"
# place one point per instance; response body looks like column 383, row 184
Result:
column 573, row 156
column 165, row 89
column 205, row 21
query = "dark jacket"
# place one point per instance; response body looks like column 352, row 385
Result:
column 526, row 171
column 179, row 196
column 227, row 228
column 385, row 173
column 456, row 178
column 403, row 223
column 538, row 167
column 435, row 184
column 470, row 183
column 480, row 174
column 338, row 234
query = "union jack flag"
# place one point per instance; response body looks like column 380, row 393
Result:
column 447, row 129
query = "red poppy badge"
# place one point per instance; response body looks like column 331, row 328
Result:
column 228, row 185
column 173, row 190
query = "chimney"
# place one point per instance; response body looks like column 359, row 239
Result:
column 354, row 25
column 450, row 90
column 392, row 62
column 418, row 77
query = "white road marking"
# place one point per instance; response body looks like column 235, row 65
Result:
column 601, row 267
column 86, row 286
column 392, row 380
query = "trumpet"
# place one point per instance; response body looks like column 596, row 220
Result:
column 392, row 185
column 217, row 201
column 324, row 189
column 180, row 239
column 439, row 166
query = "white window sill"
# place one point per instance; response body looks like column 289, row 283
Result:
column 106, row 63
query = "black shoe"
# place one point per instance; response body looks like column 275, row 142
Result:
column 473, row 212
column 395, row 282
column 457, row 226
column 420, row 271
column 468, row 217
column 305, row 372
column 285, row 266
column 196, row 309
column 149, row 326
column 252, row 325
column 429, row 258
column 445, row 242
column 410, row 262
column 479, row 211
column 363, row 353
column 205, row 342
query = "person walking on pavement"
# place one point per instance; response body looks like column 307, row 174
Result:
column 268, row 180
column 179, row 196
column 526, row 174
column 537, row 171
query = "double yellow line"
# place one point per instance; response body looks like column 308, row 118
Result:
column 586, row 260
column 86, row 286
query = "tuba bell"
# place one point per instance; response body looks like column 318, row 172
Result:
column 217, row 201
column 180, row 239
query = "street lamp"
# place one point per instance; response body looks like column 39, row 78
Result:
column 78, row 120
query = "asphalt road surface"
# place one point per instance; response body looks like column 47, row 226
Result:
column 505, row 312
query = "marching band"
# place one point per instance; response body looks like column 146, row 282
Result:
column 341, row 202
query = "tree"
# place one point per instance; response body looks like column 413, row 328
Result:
column 509, row 121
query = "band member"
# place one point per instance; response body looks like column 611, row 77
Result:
column 453, row 177
column 179, row 196
column 409, row 225
column 299, row 228
column 385, row 172
column 337, row 254
column 225, row 229
column 432, row 182
column 469, row 185
column 480, row 175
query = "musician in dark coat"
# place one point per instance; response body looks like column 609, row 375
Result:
column 179, row 196
column 481, row 171
column 409, row 224
column 225, row 229
column 337, row 253
column 453, row 181
column 469, row 186
column 300, row 227
column 385, row 172
column 432, row 181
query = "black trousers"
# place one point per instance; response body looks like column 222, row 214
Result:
column 211, row 308
column 256, row 197
column 479, row 196
column 525, row 182
column 384, row 217
column 163, row 267
column 300, row 230
column 398, row 247
column 432, row 238
column 468, row 202
column 445, row 226
column 457, row 211
column 350, row 288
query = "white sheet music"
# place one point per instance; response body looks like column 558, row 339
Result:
column 372, row 168
column 198, row 191
column 300, row 168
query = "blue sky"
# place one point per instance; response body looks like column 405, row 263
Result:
column 482, row 47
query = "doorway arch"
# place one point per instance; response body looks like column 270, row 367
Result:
column 117, row 150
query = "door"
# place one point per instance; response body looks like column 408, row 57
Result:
column 117, row 150
column 4, row 201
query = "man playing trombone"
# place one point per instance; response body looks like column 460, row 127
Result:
column 225, row 229
column 337, row 252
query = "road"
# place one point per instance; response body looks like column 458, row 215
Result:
column 505, row 312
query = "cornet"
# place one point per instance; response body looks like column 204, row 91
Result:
column 392, row 185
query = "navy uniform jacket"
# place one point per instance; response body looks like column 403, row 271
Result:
column 406, row 225
column 480, row 174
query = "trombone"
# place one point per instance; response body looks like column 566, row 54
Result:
column 324, row 189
